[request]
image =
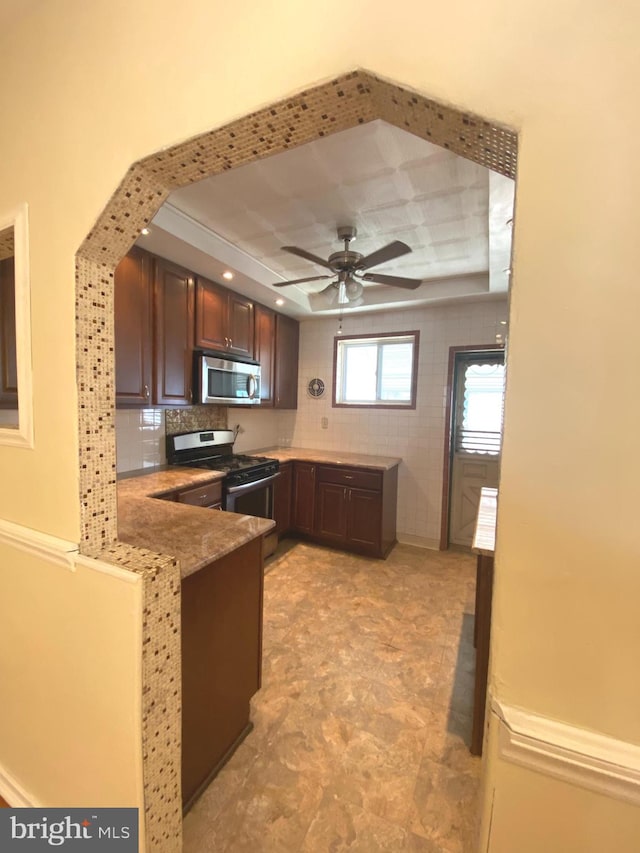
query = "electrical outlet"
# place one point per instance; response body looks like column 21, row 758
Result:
column 324, row 423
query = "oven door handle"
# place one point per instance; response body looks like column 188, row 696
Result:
column 235, row 490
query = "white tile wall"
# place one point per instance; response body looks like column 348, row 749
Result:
column 140, row 439
column 261, row 428
column 140, row 434
column 416, row 436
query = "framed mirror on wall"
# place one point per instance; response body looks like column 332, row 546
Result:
column 16, row 405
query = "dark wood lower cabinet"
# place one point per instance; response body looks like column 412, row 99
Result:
column 364, row 518
column 282, row 491
column 221, row 662
column 304, row 497
column 332, row 517
column 351, row 508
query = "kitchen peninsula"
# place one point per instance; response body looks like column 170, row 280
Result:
column 221, row 565
column 195, row 535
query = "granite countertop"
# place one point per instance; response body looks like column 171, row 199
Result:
column 484, row 538
column 195, row 535
column 332, row 457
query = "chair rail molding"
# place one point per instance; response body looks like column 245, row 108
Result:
column 578, row 756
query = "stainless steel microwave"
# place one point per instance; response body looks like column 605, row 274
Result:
column 226, row 381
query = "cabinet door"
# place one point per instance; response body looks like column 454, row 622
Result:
column 211, row 315
column 8, row 363
column 132, row 309
column 240, row 325
column 286, row 368
column 331, row 516
column 221, row 660
column 304, row 493
column 173, row 303
column 265, row 334
column 364, row 517
column 282, row 490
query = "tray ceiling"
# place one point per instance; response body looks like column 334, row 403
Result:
column 390, row 184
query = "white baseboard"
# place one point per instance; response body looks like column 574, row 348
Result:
column 580, row 757
column 418, row 541
column 14, row 793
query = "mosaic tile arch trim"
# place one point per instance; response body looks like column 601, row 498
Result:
column 348, row 100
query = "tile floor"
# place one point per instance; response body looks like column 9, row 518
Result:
column 364, row 717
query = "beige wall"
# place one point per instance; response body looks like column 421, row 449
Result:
column 87, row 88
column 70, row 715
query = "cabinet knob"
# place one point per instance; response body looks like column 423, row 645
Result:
column 145, row 391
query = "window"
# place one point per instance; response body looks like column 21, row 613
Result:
column 480, row 407
column 376, row 370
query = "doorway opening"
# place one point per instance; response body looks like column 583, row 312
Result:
column 351, row 99
column 473, row 442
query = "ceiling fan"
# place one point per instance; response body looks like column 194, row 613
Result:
column 350, row 268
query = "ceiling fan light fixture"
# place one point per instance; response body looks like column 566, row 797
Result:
column 353, row 289
column 330, row 295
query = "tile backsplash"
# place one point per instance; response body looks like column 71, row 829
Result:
column 140, row 439
column 140, row 433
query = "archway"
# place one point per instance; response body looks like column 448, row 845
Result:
column 354, row 98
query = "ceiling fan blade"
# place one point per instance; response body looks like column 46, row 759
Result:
column 386, row 253
column 302, row 253
column 299, row 280
column 393, row 280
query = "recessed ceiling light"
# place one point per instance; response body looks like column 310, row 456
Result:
column 279, row 301
column 227, row 274
column 503, row 322
column 145, row 231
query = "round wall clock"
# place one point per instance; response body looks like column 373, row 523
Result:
column 316, row 388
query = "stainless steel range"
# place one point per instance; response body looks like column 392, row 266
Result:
column 247, row 486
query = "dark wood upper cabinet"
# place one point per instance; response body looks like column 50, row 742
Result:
column 8, row 361
column 173, row 334
column 162, row 312
column 224, row 319
column 286, row 362
column 240, row 325
column 133, row 289
column 265, row 340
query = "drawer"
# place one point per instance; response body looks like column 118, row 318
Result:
column 355, row 477
column 207, row 495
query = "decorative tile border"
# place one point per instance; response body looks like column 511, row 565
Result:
column 345, row 102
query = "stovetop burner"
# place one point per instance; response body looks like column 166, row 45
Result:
column 213, row 450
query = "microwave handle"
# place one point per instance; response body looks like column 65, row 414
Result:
column 252, row 386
